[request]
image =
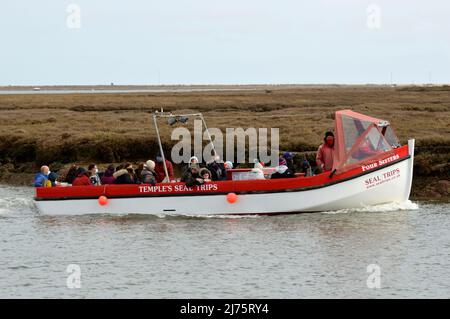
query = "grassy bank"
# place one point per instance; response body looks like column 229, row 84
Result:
column 59, row 129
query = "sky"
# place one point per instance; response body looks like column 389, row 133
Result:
column 94, row 42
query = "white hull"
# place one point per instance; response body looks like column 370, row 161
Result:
column 389, row 184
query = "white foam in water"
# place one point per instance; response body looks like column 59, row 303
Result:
column 10, row 205
column 389, row 207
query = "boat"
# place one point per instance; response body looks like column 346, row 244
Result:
column 370, row 167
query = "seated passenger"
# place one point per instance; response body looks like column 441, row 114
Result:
column 82, row 178
column 108, row 177
column 257, row 172
column 148, row 175
column 217, row 169
column 324, row 156
column 159, row 169
column 228, row 165
column 71, row 174
column 191, row 176
column 282, row 171
column 289, row 157
column 52, row 177
column 93, row 175
column 306, row 168
column 41, row 178
column 205, row 174
column 193, row 160
column 126, row 175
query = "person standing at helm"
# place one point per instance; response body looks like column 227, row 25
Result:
column 324, row 156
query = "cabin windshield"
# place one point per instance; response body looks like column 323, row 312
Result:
column 360, row 139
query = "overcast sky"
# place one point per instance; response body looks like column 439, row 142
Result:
column 224, row 42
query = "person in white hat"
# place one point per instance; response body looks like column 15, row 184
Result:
column 148, row 175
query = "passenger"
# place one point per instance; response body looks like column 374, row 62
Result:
column 82, row 178
column 71, row 174
column 41, row 178
column 139, row 170
column 289, row 157
column 148, row 175
column 282, row 171
column 228, row 165
column 217, row 169
column 257, row 172
column 306, row 168
column 93, row 175
column 126, row 175
column 52, row 177
column 159, row 169
column 186, row 168
column 108, row 177
column 192, row 177
column 324, row 156
column 193, row 160
column 205, row 174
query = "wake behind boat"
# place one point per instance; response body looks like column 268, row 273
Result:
column 370, row 168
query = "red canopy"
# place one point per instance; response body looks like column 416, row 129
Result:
column 360, row 139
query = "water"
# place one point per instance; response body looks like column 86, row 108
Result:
column 323, row 255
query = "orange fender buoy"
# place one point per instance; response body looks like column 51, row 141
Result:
column 103, row 200
column 231, row 198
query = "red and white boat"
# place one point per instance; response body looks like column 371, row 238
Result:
column 370, row 168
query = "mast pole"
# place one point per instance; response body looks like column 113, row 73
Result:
column 161, row 148
column 209, row 136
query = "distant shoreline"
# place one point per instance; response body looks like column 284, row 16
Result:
column 89, row 89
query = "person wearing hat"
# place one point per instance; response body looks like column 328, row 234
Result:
column 289, row 158
column 282, row 171
column 148, row 175
column 324, row 157
column 205, row 174
column 257, row 171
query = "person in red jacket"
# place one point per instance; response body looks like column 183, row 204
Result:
column 324, row 158
column 159, row 169
column 82, row 178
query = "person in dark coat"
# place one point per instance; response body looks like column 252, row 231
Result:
column 126, row 175
column 289, row 158
column 192, row 176
column 71, row 174
column 108, row 177
column 282, row 171
column 217, row 169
